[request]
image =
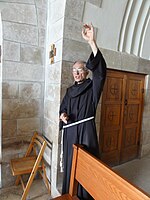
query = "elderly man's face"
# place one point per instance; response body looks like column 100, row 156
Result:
column 79, row 72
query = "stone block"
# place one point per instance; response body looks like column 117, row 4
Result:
column 10, row 90
column 77, row 11
column 56, row 31
column 146, row 124
column 7, row 178
column 95, row 2
column 53, row 92
column 48, row 155
column 11, row 51
column 73, row 50
column 20, row 108
column 30, row 90
column 59, row 49
column 9, row 128
column 20, row 1
column 53, row 73
column 31, row 54
column 53, row 10
column 129, row 62
column 20, row 13
column 20, row 33
column 67, row 77
column 145, row 150
column 112, row 58
column 147, row 82
column 146, row 112
column 27, row 126
column 144, row 66
column 41, row 4
column 51, row 111
column 22, row 71
column 41, row 17
column 50, row 129
column 42, row 37
column 63, row 91
column 14, row 147
column 147, row 96
column 72, row 29
column 146, row 137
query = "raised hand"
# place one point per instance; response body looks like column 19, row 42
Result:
column 89, row 36
column 88, row 32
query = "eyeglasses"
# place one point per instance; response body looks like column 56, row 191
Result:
column 78, row 70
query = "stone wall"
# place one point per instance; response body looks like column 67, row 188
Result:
column 24, row 25
column 33, row 88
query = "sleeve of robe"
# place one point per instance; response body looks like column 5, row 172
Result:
column 97, row 65
column 63, row 108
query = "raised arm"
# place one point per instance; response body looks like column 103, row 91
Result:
column 96, row 63
column 89, row 35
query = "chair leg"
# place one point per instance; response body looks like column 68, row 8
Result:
column 28, row 185
column 17, row 180
column 46, row 180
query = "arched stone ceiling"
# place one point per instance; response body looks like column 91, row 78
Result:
column 122, row 25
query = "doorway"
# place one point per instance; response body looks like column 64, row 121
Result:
column 121, row 117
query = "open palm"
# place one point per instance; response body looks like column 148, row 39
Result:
column 88, row 32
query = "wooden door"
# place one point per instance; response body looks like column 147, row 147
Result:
column 121, row 116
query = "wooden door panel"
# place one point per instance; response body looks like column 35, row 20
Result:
column 132, row 117
column 131, row 114
column 114, row 89
column 110, row 141
column 129, row 137
column 110, row 150
column 112, row 116
column 121, row 116
column 111, row 119
column 133, row 89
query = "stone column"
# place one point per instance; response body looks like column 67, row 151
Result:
column 55, row 26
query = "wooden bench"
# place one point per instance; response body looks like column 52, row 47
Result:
column 99, row 180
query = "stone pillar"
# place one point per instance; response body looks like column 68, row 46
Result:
column 55, row 26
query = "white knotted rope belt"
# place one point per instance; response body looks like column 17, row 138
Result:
column 67, row 126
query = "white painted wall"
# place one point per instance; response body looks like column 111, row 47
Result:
column 122, row 25
column 108, row 20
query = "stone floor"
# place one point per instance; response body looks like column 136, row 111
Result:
column 37, row 191
column 136, row 171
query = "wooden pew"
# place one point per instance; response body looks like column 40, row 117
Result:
column 99, row 180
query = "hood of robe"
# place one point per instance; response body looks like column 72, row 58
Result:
column 77, row 89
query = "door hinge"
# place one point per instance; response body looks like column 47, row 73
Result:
column 142, row 90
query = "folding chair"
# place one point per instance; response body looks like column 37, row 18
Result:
column 30, row 164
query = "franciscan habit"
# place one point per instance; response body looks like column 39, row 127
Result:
column 80, row 102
